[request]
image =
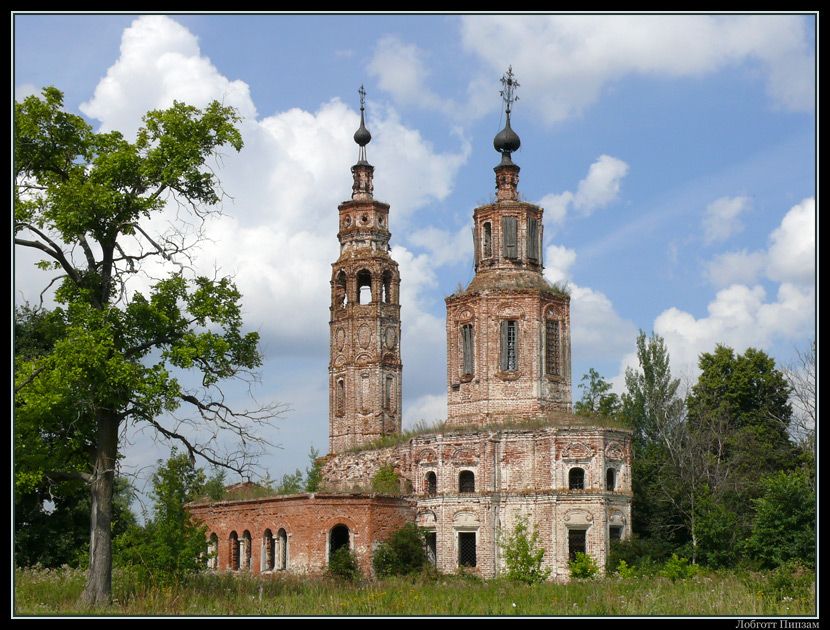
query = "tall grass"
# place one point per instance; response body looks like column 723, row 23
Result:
column 729, row 593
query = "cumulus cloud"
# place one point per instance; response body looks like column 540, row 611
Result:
column 792, row 251
column 722, row 218
column 400, row 70
column 428, row 408
column 598, row 189
column 741, row 267
column 565, row 61
column 278, row 235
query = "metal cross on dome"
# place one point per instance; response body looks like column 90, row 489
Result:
column 362, row 93
column 510, row 84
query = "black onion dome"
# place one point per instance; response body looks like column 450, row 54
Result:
column 362, row 135
column 506, row 140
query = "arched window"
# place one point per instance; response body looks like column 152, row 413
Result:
column 364, row 287
column 466, row 481
column 340, row 290
column 467, row 363
column 268, row 549
column 487, row 245
column 213, row 552
column 610, row 479
column 552, row 362
column 509, row 237
column 282, row 550
column 245, row 551
column 576, row 543
column 388, row 389
column 509, row 355
column 338, row 538
column 533, row 240
column 432, row 484
column 233, row 555
column 576, row 479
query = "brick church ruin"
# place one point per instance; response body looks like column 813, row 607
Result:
column 510, row 448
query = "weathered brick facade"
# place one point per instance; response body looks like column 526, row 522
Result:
column 511, row 448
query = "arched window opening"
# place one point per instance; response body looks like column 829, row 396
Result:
column 213, row 552
column 364, row 287
column 509, row 237
column 388, row 390
column 282, row 550
column 233, row 556
column 245, row 551
column 467, row 363
column 466, row 481
column 576, row 479
column 487, row 245
column 339, row 537
column 552, row 362
column 509, row 355
column 432, row 484
column 268, row 548
column 615, row 532
column 533, row 240
column 610, row 479
column 340, row 290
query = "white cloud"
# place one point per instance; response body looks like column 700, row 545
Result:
column 740, row 267
column 792, row 251
column 558, row 263
column 564, row 62
column 400, row 70
column 740, row 317
column 722, row 218
column 601, row 186
column 598, row 333
column 445, row 248
column 598, row 189
column 25, row 89
column 159, row 62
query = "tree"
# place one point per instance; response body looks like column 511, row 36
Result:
column 595, row 397
column 313, row 474
column 784, row 528
column 403, row 553
column 88, row 201
column 801, row 377
column 171, row 544
column 523, row 555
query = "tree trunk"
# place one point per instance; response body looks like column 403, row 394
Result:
column 98, row 590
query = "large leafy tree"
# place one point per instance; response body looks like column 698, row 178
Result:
column 94, row 205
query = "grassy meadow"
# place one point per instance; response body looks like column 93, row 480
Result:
column 729, row 593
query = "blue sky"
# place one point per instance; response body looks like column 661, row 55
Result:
column 674, row 156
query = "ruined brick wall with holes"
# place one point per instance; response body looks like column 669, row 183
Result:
column 293, row 533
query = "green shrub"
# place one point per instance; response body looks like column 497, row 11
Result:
column 404, row 553
column 647, row 554
column 583, row 566
column 386, row 481
column 625, row 571
column 523, row 556
column 791, row 580
column 343, row 564
column 679, row 568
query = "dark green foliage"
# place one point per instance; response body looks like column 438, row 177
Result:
column 583, row 566
column 214, row 487
column 784, row 529
column 596, row 399
column 291, row 483
column 386, row 481
column 314, row 473
column 644, row 553
column 170, row 545
column 403, row 553
column 716, row 528
column 343, row 564
column 523, row 555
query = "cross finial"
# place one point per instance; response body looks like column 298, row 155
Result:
column 362, row 93
column 507, row 94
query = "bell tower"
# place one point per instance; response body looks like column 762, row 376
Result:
column 508, row 332
column 365, row 323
